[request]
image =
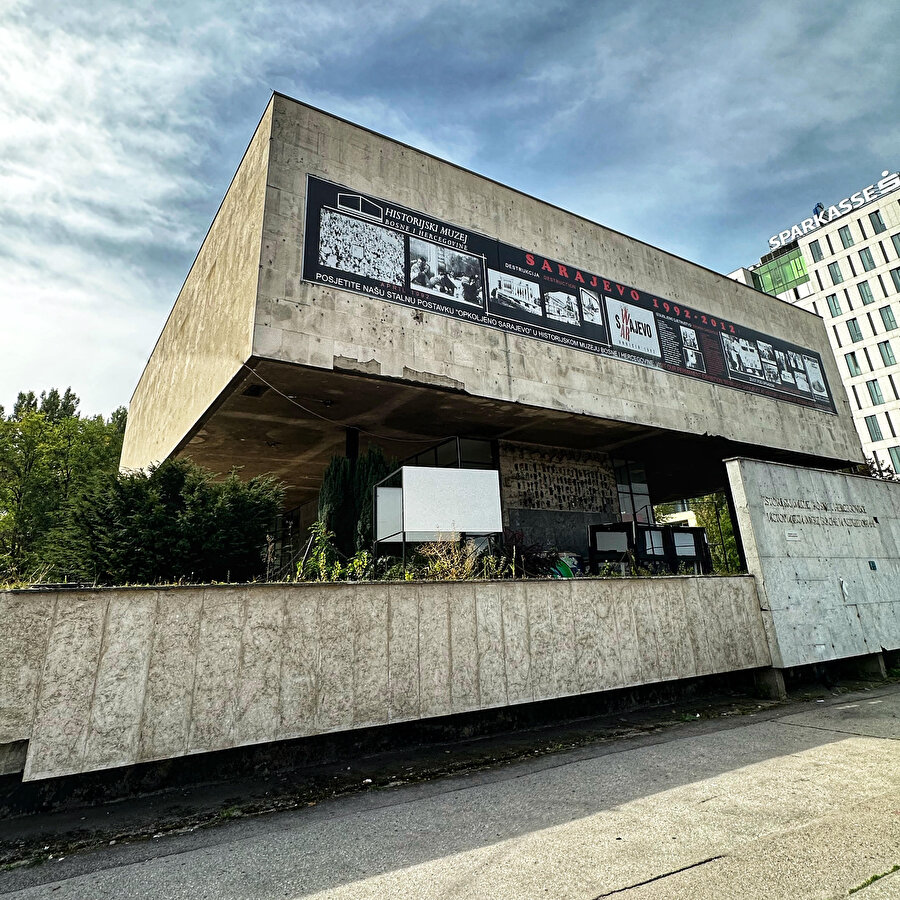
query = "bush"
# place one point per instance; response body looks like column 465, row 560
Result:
column 174, row 523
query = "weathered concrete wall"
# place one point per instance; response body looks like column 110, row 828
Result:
column 811, row 538
column 132, row 675
column 208, row 334
column 556, row 493
column 315, row 325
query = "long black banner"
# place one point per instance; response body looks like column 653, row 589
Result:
column 371, row 246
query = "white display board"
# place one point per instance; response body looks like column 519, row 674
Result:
column 447, row 501
column 388, row 513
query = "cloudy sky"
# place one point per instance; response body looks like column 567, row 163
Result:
column 701, row 127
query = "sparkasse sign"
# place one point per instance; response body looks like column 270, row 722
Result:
column 889, row 182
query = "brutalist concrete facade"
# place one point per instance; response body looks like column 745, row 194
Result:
column 259, row 368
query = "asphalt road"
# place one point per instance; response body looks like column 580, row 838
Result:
column 799, row 802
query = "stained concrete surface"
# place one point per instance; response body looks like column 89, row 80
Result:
column 798, row 803
column 133, row 675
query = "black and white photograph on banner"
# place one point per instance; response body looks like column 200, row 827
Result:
column 816, row 379
column 360, row 248
column 766, row 352
column 796, row 360
column 742, row 356
column 784, row 370
column 693, row 359
column 444, row 272
column 562, row 307
column 689, row 339
column 514, row 293
column 591, row 308
column 771, row 372
column 802, row 381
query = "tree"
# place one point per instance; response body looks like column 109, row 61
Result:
column 49, row 454
column 345, row 498
column 173, row 523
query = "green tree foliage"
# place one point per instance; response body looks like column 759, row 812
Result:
column 345, row 498
column 173, row 523
column 712, row 514
column 49, row 455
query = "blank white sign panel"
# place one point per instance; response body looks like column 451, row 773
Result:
column 448, row 500
column 387, row 508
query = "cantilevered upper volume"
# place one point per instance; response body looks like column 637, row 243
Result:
column 351, row 281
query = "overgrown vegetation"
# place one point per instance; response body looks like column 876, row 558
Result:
column 66, row 513
column 172, row 523
column 345, row 499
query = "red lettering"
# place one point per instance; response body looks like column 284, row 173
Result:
column 635, row 295
column 593, row 281
column 529, row 258
column 606, row 286
column 545, row 265
column 620, row 289
column 578, row 276
column 563, row 270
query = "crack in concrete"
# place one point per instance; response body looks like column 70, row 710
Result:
column 838, row 731
column 638, row 884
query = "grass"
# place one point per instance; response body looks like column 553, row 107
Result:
column 873, row 879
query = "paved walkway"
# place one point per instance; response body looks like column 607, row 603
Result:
column 801, row 803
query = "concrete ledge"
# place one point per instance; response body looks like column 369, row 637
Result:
column 135, row 675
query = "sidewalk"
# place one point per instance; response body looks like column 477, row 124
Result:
column 799, row 800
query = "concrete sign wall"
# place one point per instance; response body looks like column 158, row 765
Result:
column 98, row 679
column 825, row 549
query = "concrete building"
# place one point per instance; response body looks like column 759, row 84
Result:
column 844, row 265
column 355, row 290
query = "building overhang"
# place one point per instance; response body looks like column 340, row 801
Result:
column 290, row 420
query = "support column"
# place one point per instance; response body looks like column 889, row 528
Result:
column 770, row 684
column 870, row 667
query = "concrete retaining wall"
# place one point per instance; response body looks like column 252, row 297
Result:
column 99, row 679
column 825, row 549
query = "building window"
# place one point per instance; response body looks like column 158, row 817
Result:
column 893, row 387
column 875, row 391
column 874, row 428
column 896, row 239
column 887, row 316
column 865, row 292
column 834, row 304
column 884, row 292
column 895, row 276
column 781, row 274
column 846, row 237
column 868, row 360
column 862, row 229
column 834, row 270
column 895, row 458
column 816, row 250
column 877, row 222
column 887, row 354
column 854, row 330
column 865, row 257
column 830, row 245
column 853, row 363
column 890, row 422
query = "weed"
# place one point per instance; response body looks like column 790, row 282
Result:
column 873, row 879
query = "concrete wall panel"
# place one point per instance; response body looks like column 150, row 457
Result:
column 825, row 548
column 209, row 332
column 23, row 644
column 131, row 675
column 62, row 714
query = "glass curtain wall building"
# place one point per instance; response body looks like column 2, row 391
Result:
column 848, row 272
